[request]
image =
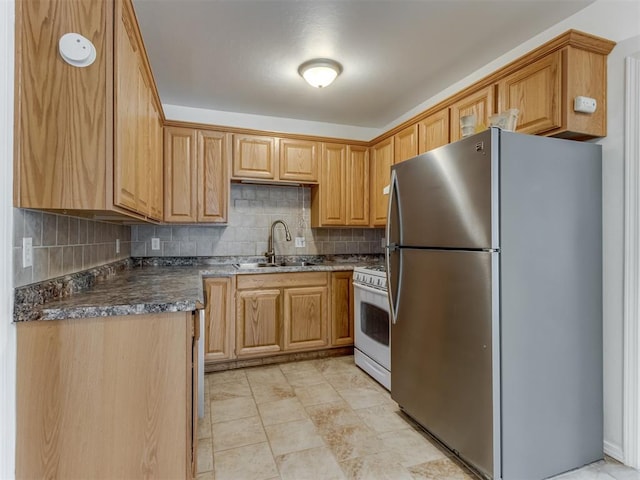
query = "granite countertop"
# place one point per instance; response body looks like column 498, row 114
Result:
column 139, row 287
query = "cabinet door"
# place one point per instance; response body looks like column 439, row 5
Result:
column 479, row 104
column 156, row 208
column 433, row 131
column 305, row 318
column 219, row 320
column 298, row 160
column 357, row 185
column 214, row 150
column 127, row 112
column 381, row 161
column 333, row 184
column 535, row 90
column 341, row 309
column 254, row 157
column 180, row 175
column 405, row 144
column 258, row 322
column 144, row 167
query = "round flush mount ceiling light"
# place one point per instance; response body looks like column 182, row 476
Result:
column 320, row 72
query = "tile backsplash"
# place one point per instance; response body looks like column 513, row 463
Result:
column 252, row 210
column 63, row 244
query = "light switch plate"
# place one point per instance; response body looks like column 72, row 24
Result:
column 27, row 252
column 300, row 242
column 117, row 245
column 155, row 244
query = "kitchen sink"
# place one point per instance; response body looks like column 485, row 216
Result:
column 272, row 265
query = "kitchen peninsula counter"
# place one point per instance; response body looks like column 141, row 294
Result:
column 143, row 286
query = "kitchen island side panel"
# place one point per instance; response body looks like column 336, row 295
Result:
column 551, row 311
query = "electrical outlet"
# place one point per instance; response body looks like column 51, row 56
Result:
column 155, row 244
column 117, row 245
column 383, row 242
column 27, row 252
column 584, row 104
column 300, row 242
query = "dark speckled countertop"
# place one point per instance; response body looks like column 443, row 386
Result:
column 134, row 287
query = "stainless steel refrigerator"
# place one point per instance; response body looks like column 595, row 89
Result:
column 495, row 283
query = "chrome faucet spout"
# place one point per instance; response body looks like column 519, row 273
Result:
column 271, row 253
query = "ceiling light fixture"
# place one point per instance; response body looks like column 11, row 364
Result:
column 320, row 72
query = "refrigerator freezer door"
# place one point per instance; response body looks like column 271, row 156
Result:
column 442, row 356
column 447, row 197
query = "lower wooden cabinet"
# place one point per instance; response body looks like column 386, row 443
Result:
column 341, row 309
column 107, row 397
column 258, row 315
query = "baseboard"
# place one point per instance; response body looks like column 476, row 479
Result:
column 614, row 451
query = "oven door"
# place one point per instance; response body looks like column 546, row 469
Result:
column 372, row 324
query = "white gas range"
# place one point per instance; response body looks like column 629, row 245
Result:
column 372, row 350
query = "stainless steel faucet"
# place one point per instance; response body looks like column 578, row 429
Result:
column 271, row 253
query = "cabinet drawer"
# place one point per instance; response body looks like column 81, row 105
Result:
column 282, row 280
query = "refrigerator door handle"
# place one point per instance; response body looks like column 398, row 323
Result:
column 393, row 213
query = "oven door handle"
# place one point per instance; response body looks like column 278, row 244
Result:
column 367, row 288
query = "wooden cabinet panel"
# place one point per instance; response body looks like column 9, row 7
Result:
column 298, row 160
column 480, row 104
column 254, row 157
column 219, row 340
column 156, row 208
column 357, row 185
column 381, row 161
column 535, row 90
column 341, row 309
column 105, row 397
column 405, row 144
column 333, row 209
column 143, row 161
column 258, row 322
column 180, row 175
column 305, row 318
column 214, row 151
column 433, row 131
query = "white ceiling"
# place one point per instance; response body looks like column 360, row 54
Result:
column 242, row 55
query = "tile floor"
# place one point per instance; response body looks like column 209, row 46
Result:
column 323, row 419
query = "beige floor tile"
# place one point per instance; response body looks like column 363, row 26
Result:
column 204, row 427
column 374, row 467
column 205, row 455
column 351, row 441
column 264, row 393
column 335, row 414
column 206, row 476
column 252, row 462
column 226, row 390
column 408, row 447
column 293, row 436
column 350, row 379
column 382, row 418
column 363, row 397
column 313, row 464
column 440, row 469
column 304, row 379
column 232, row 409
column 238, row 433
column 237, row 375
column 317, row 394
column 335, row 364
column 270, row 375
column 281, row 411
column 306, row 366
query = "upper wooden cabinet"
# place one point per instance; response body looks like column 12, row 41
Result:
column 544, row 92
column 254, row 157
column 298, row 160
column 405, row 144
column 433, row 131
column 86, row 138
column 342, row 198
column 480, row 104
column 196, row 175
column 381, row 161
